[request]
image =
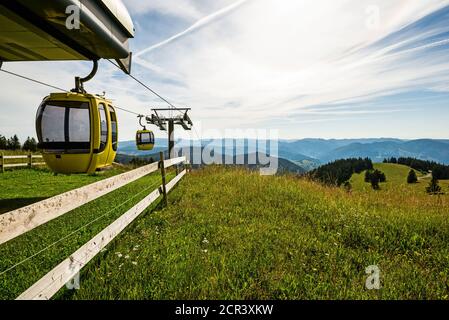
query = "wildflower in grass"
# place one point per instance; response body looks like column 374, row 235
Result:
column 205, row 241
column 119, row 254
column 127, row 257
column 205, row 250
column 134, row 263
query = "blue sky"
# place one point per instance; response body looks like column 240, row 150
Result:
column 321, row 68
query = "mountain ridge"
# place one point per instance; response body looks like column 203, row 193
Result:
column 312, row 152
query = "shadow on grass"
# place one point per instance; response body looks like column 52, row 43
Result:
column 12, row 204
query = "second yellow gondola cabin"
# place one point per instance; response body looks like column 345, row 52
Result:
column 145, row 140
column 77, row 132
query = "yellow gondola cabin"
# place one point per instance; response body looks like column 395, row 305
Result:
column 77, row 132
column 145, row 140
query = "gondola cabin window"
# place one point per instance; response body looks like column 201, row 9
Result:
column 146, row 137
column 52, row 123
column 103, row 126
column 114, row 128
column 64, row 126
column 79, row 125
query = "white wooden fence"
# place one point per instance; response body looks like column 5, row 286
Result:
column 20, row 221
column 28, row 163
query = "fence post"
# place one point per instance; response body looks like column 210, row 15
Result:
column 161, row 165
column 30, row 160
column 2, row 163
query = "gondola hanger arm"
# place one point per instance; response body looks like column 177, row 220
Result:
column 79, row 82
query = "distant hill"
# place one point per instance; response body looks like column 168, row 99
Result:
column 425, row 149
column 310, row 153
column 261, row 159
column 129, row 148
column 319, row 148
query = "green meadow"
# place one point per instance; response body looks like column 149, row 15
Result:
column 396, row 181
column 230, row 233
column 27, row 258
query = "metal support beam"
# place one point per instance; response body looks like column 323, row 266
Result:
column 171, row 139
column 163, row 186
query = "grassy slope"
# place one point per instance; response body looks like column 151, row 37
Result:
column 62, row 236
column 396, row 180
column 229, row 233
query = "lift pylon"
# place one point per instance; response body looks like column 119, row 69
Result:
column 163, row 122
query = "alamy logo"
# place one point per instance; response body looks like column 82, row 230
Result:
column 373, row 280
column 373, row 20
column 74, row 274
column 73, row 19
column 257, row 148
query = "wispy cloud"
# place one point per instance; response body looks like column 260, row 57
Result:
column 273, row 59
column 184, row 9
column 197, row 25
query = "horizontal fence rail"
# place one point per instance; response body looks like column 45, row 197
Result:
column 54, row 280
column 20, row 221
column 24, row 156
column 28, row 163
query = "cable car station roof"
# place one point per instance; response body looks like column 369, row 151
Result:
column 37, row 31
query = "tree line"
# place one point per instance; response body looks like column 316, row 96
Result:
column 140, row 161
column 13, row 143
column 439, row 171
column 340, row 171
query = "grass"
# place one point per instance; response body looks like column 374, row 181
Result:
column 20, row 187
column 232, row 234
column 396, row 180
column 19, row 153
column 60, row 237
column 16, row 152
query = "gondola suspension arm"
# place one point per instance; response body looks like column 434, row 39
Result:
column 79, row 82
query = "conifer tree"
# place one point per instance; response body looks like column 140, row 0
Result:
column 412, row 178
